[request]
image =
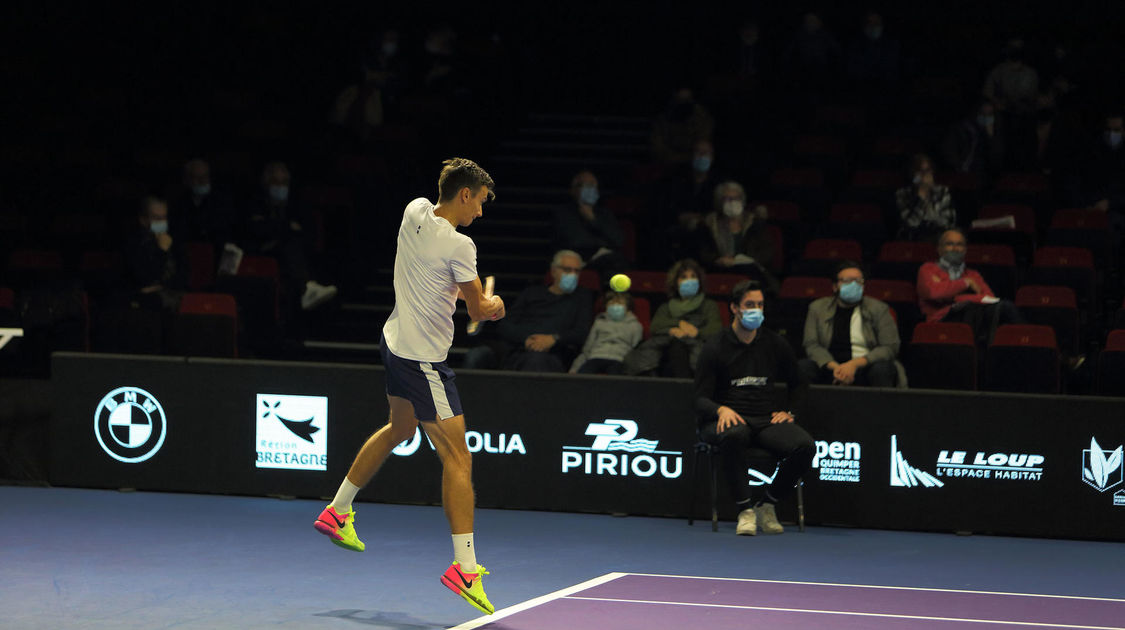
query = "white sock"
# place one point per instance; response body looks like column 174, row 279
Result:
column 344, row 497
column 464, row 553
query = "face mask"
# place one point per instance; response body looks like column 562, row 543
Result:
column 568, row 282
column 279, row 193
column 732, row 208
column 701, row 163
column 851, row 292
column 159, row 227
column 985, row 121
column 588, row 195
column 1113, row 138
column 874, row 32
column 917, row 179
column 752, row 319
column 201, row 190
column 389, row 49
column 689, row 287
column 953, row 258
column 616, row 312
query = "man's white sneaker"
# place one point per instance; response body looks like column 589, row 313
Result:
column 747, row 523
column 767, row 519
column 316, row 294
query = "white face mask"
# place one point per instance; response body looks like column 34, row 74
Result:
column 733, row 208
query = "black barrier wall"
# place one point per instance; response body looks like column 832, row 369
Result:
column 986, row 463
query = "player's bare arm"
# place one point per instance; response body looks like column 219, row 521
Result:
column 480, row 307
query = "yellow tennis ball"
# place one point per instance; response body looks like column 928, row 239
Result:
column 620, row 283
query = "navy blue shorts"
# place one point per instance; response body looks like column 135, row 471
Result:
column 428, row 386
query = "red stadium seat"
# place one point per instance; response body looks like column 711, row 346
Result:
column 206, row 325
column 1023, row 358
column 1067, row 267
column 1055, row 307
column 942, row 355
column 1111, row 365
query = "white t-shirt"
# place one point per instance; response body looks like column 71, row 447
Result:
column 432, row 257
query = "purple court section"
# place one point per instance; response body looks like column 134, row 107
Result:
column 646, row 602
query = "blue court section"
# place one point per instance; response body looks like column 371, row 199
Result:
column 101, row 559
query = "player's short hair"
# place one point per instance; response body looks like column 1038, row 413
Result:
column 459, row 173
column 742, row 288
column 672, row 283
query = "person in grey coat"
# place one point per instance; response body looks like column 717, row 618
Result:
column 851, row 339
column 614, row 333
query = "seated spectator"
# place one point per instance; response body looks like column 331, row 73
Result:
column 813, row 56
column 275, row 228
column 949, row 291
column 360, row 107
column 1104, row 177
column 197, row 212
column 675, row 132
column 737, row 407
column 679, row 327
column 1012, row 84
column 682, row 200
column 546, row 327
column 975, row 144
column 732, row 238
column 614, row 333
column 156, row 263
column 873, row 58
column 850, row 338
column 590, row 229
column 924, row 208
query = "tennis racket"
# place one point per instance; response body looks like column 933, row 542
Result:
column 489, row 285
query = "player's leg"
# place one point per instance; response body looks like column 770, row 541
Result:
column 338, row 519
column 464, row 575
column 448, row 438
column 794, row 447
column 375, row 450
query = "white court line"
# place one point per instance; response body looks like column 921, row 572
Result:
column 531, row 603
column 841, row 612
column 897, row 588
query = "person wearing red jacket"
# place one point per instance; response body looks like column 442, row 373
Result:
column 951, row 292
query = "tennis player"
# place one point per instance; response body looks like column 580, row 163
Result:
column 435, row 265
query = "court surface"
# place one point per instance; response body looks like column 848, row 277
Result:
column 98, row 559
column 630, row 601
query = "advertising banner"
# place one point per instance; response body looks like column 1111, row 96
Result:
column 900, row 459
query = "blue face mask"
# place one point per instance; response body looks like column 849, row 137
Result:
column 752, row 318
column 701, row 163
column 689, row 287
column 616, row 312
column 588, row 195
column 985, row 121
column 279, row 193
column 568, row 282
column 158, row 227
column 202, row 190
column 851, row 292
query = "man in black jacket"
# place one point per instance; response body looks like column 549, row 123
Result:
column 736, row 403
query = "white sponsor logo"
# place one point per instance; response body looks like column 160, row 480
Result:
column 983, row 465
column 477, row 442
column 614, row 452
column 906, row 476
column 1119, row 498
column 837, row 461
column 130, row 424
column 292, row 432
column 1101, row 469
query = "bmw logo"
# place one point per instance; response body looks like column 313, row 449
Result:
column 130, row 424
